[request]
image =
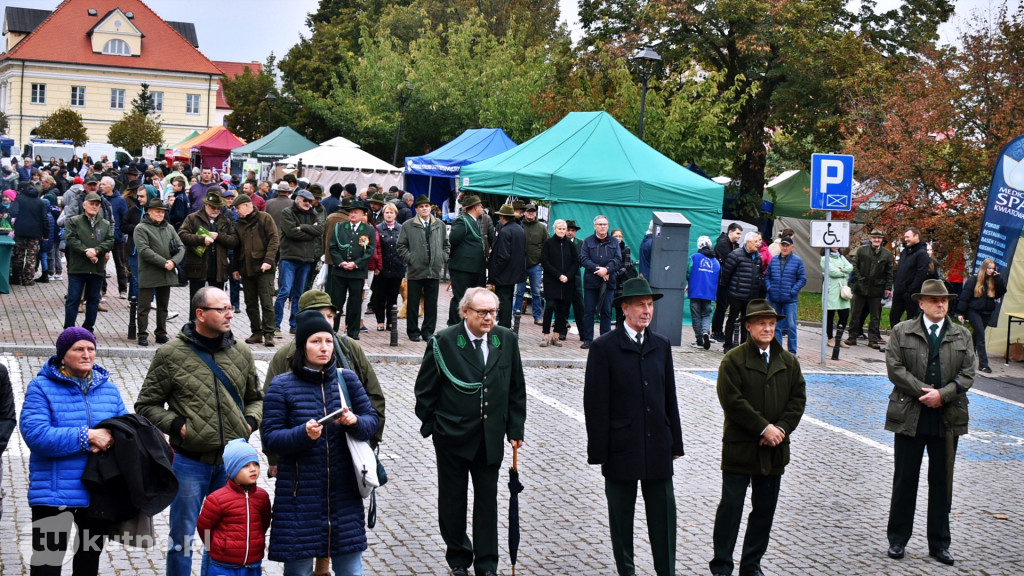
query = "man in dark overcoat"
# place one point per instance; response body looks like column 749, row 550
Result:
column 470, row 396
column 931, row 363
column 763, row 394
column 630, row 391
column 467, row 264
column 508, row 262
column 348, row 249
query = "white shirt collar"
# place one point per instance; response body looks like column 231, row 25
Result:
column 632, row 333
column 928, row 325
column 471, row 337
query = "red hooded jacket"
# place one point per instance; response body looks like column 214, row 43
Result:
column 234, row 522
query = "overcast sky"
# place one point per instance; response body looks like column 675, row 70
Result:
column 247, row 30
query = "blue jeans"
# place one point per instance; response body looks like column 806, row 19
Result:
column 133, row 283
column 195, row 482
column 535, row 274
column 350, row 564
column 787, row 326
column 292, row 279
column 700, row 317
column 592, row 306
column 235, row 287
column 219, row 569
column 90, row 284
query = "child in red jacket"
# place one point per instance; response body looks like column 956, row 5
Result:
column 234, row 520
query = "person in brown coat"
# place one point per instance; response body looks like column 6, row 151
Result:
column 258, row 241
column 208, row 235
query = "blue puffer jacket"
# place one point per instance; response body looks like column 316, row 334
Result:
column 317, row 508
column 784, row 285
column 55, row 419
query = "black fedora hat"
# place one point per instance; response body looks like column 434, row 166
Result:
column 357, row 205
column 422, row 200
column 935, row 288
column 635, row 287
column 571, row 225
column 760, row 307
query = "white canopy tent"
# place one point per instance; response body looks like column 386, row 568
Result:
column 340, row 160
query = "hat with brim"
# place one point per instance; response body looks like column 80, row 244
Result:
column 378, row 198
column 877, row 233
column 935, row 288
column 214, row 200
column 635, row 287
column 470, row 201
column 760, row 307
column 93, row 197
column 305, row 195
column 357, row 205
column 156, row 204
column 507, row 211
column 571, row 225
column 422, row 200
column 316, row 299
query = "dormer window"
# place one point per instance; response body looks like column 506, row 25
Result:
column 117, row 47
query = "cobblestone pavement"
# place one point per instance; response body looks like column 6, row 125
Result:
column 831, row 517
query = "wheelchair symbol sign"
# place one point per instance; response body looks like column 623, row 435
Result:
column 830, row 234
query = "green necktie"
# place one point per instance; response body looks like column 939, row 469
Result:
column 479, row 351
column 934, row 334
column 764, row 355
column 640, row 339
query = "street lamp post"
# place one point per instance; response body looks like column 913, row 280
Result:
column 646, row 62
column 403, row 98
column 270, row 97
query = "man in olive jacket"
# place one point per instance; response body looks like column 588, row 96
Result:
column 258, row 241
column 468, row 263
column 931, row 363
column 200, row 408
column 88, row 237
column 630, row 390
column 423, row 244
column 348, row 248
column 763, row 394
column 470, row 396
column 212, row 267
column 872, row 279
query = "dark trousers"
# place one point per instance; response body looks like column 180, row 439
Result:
column 121, row 266
column 593, row 302
column 862, row 307
column 193, row 287
column 51, row 539
column 462, row 281
column 764, row 495
column 978, row 321
column 163, row 296
column 506, row 293
column 259, row 302
column 721, row 305
column 453, row 473
column 89, row 285
column 908, row 453
column 844, row 319
column 347, row 290
column 560, row 310
column 577, row 308
column 660, row 504
column 385, row 295
column 425, row 289
column 902, row 303
column 737, row 308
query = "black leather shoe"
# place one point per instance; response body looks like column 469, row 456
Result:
column 986, row 370
column 162, row 340
column 414, row 338
column 459, row 572
column 585, row 345
column 143, row 341
column 942, row 555
column 896, row 552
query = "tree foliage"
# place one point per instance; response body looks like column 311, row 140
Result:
column 5, row 123
column 253, row 115
column 135, row 131
column 63, row 124
column 143, row 103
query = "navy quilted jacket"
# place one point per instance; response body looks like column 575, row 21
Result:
column 784, row 285
column 317, row 508
column 55, row 420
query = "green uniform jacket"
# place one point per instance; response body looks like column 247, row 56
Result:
column 536, row 234
column 80, row 235
column 342, row 244
column 181, row 389
column 153, row 243
column 357, row 362
column 258, row 242
column 468, row 253
column 412, row 247
column 300, row 234
column 872, row 271
column 906, row 360
column 754, row 396
column 196, row 267
column 490, row 402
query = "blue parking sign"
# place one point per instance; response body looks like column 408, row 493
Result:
column 831, row 182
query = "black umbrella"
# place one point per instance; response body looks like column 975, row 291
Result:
column 514, row 488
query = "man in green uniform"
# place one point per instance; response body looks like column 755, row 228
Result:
column 763, row 394
column 467, row 264
column 470, row 393
column 348, row 249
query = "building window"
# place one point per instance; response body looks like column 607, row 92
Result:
column 158, row 101
column 117, row 99
column 117, row 47
column 192, row 103
column 39, row 93
column 78, row 96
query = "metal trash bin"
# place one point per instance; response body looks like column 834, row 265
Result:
column 6, row 247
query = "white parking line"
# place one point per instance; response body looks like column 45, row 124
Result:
column 556, row 404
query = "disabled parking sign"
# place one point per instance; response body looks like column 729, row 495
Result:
column 831, row 182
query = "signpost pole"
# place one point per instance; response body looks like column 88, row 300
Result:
column 824, row 299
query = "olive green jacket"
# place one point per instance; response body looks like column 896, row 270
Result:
column 153, row 243
column 79, row 236
column 196, row 267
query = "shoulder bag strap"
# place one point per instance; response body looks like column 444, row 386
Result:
column 220, row 376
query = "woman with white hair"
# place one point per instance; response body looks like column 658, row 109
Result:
column 561, row 263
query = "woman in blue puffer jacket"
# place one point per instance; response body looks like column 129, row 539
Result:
column 63, row 402
column 318, row 512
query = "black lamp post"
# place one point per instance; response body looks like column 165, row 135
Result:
column 270, row 97
column 403, row 97
column 646, row 61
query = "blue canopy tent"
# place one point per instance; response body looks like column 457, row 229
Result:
column 434, row 174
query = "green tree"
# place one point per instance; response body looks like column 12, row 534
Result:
column 135, row 131
column 143, row 103
column 5, row 123
column 63, row 124
column 252, row 114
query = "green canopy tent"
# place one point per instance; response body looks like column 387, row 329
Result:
column 279, row 144
column 588, row 164
column 790, row 194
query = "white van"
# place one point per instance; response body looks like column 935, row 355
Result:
column 45, row 149
column 97, row 150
